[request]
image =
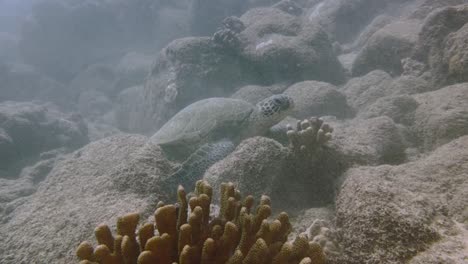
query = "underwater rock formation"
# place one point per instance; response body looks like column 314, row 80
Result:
column 441, row 116
column 369, row 142
column 386, row 48
column 28, row 129
column 362, row 91
column 439, row 45
column 345, row 19
column 299, row 174
column 241, row 167
column 400, row 108
column 312, row 98
column 393, row 213
column 285, row 47
column 188, row 70
column 88, row 187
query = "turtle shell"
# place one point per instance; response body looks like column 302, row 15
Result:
column 205, row 120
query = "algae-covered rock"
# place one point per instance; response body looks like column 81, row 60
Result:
column 387, row 47
column 312, row 98
column 93, row 185
column 392, row 214
column 442, row 115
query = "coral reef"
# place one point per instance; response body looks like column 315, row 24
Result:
column 188, row 232
column 308, row 136
column 228, row 34
column 321, row 232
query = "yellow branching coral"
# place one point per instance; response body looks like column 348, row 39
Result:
column 185, row 233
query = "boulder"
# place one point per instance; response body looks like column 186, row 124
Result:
column 410, row 213
column 456, row 56
column 344, row 19
column 408, row 84
column 94, row 185
column 285, row 48
column 254, row 166
column 313, row 98
column 187, row 70
column 14, row 192
column 28, row 129
column 363, row 91
column 387, row 47
column 440, row 45
column 375, row 25
column 369, row 142
column 400, row 108
column 442, row 115
column 421, row 9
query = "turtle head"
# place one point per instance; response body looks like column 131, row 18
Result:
column 276, row 105
column 268, row 113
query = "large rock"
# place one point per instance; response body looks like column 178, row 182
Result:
column 400, row 108
column 387, row 47
column 188, row 70
column 411, row 213
column 263, row 166
column 344, row 19
column 363, row 91
column 255, row 166
column 14, row 192
column 376, row 24
column 93, row 185
column 456, row 56
column 441, row 46
column 442, row 115
column 422, row 8
column 30, row 129
column 285, row 47
column 312, row 98
column 369, row 142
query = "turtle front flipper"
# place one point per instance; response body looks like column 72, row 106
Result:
column 195, row 166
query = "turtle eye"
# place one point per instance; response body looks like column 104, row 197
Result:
column 277, row 101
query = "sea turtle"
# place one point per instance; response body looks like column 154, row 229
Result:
column 208, row 130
